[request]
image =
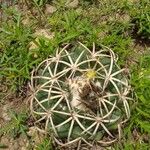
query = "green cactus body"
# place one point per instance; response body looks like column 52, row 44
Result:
column 80, row 95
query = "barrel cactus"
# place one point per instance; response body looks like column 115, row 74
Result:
column 80, row 95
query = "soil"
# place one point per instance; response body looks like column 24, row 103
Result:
column 17, row 104
column 20, row 104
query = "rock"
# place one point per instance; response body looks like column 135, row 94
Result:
column 21, row 143
column 35, row 135
column 44, row 33
column 4, row 140
column 5, row 114
column 26, row 21
column 32, row 45
column 72, row 4
column 50, row 9
column 40, row 33
column 15, row 146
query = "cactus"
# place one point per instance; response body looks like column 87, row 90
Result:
column 80, row 95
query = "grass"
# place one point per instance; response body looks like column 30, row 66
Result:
column 116, row 24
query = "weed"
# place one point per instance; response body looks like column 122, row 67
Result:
column 45, row 145
column 141, row 19
column 121, row 46
column 16, row 126
column 70, row 26
column 137, row 133
column 16, row 60
column 141, row 82
column 130, row 145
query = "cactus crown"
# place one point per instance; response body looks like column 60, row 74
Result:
column 81, row 95
column 90, row 74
